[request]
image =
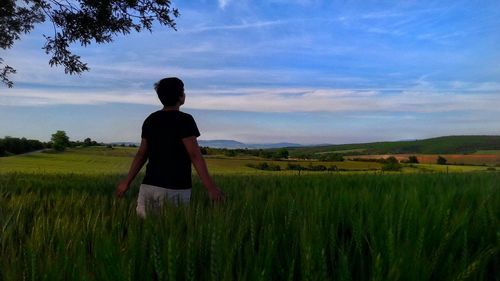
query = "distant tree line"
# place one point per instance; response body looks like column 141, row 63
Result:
column 291, row 167
column 264, row 166
column 127, row 145
column 325, row 157
column 311, row 167
column 390, row 163
column 12, row 146
column 411, row 160
column 272, row 154
column 59, row 142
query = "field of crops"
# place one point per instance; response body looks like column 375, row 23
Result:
column 62, row 225
column 491, row 159
column 102, row 160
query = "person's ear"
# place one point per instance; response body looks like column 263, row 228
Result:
column 182, row 99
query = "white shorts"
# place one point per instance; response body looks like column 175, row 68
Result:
column 151, row 198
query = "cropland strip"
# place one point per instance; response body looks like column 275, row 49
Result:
column 456, row 159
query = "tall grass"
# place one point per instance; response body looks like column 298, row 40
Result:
column 314, row 227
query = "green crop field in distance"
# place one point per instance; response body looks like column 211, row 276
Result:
column 102, row 160
column 95, row 160
column 451, row 168
column 235, row 165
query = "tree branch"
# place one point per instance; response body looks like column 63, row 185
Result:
column 79, row 21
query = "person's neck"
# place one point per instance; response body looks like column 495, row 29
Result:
column 171, row 108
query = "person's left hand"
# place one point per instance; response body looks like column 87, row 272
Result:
column 216, row 195
column 121, row 188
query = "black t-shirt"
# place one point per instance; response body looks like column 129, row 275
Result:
column 169, row 165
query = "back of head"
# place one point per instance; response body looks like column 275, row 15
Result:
column 169, row 90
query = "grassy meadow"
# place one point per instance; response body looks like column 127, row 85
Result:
column 59, row 220
column 102, row 160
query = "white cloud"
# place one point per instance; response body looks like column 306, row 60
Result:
column 223, row 3
column 19, row 97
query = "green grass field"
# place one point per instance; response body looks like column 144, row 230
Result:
column 488, row 152
column 102, row 160
column 94, row 160
column 59, row 220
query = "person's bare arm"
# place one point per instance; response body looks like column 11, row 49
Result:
column 199, row 164
column 139, row 160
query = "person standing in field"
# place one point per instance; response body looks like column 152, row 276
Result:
column 169, row 145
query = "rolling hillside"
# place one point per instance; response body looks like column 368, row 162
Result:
column 232, row 144
column 440, row 145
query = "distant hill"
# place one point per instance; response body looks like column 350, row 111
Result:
column 274, row 145
column 222, row 144
column 231, row 144
column 125, row 143
column 439, row 145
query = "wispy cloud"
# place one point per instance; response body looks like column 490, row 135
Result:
column 278, row 99
column 223, row 3
column 412, row 22
column 244, row 25
column 331, row 100
column 52, row 97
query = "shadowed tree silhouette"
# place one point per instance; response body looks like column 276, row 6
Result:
column 441, row 160
column 78, row 21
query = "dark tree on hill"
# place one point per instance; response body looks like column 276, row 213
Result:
column 87, row 142
column 265, row 153
column 413, row 159
column 60, row 141
column 77, row 21
column 391, row 164
column 282, row 153
column 391, row 160
column 331, row 157
column 441, row 160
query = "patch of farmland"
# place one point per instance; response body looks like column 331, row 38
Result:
column 105, row 151
column 101, row 160
column 76, row 161
column 456, row 159
column 239, row 166
column 345, row 151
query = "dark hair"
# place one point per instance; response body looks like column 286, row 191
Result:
column 169, row 90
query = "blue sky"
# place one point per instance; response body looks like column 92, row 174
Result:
column 270, row 71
